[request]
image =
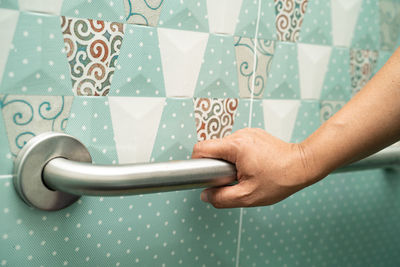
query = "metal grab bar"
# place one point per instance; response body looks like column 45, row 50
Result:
column 54, row 169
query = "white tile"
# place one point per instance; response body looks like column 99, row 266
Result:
column 135, row 123
column 280, row 117
column 42, row 6
column 313, row 65
column 344, row 18
column 223, row 15
column 181, row 56
column 8, row 23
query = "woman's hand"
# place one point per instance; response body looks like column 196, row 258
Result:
column 268, row 169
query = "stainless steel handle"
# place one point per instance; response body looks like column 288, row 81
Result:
column 53, row 170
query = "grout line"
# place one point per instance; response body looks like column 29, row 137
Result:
column 249, row 124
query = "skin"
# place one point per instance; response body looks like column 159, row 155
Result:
column 269, row 169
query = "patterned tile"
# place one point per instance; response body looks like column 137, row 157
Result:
column 362, row 64
column 26, row 116
column 383, row 57
column 367, row 27
column 108, row 10
column 143, row 12
column 92, row 48
column 250, row 82
column 344, row 15
column 389, row 11
column 139, row 70
column 329, row 108
column 214, row 117
column 289, row 17
column 41, row 6
column 223, row 15
column 5, row 153
column 36, row 63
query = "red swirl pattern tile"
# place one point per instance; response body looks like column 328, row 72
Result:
column 362, row 64
column 289, row 17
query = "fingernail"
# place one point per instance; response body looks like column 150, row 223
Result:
column 204, row 196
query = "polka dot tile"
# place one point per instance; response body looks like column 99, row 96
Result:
column 41, row 6
column 109, row 10
column 223, row 15
column 5, row 153
column 289, row 18
column 389, row 34
column 9, row 4
column 367, row 28
column 307, row 121
column 26, row 116
column 316, row 27
column 246, row 25
column 242, row 119
column 139, row 70
column 90, row 122
column 336, row 84
column 283, row 79
column 344, row 16
column 329, row 108
column 184, row 15
column 218, row 75
column 176, row 133
column 383, row 57
column 143, row 12
column 36, row 63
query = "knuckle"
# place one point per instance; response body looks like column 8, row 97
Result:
column 246, row 198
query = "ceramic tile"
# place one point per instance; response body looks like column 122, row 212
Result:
column 41, row 6
column 246, row 25
column 184, row 15
column 307, row 120
column 289, row 17
column 92, row 48
column 313, row 64
column 218, row 75
column 181, row 56
column 143, row 12
column 135, row 122
column 36, row 63
column 329, row 108
column 283, row 79
column 389, row 11
column 337, row 84
column 12, row 4
column 5, row 153
column 317, row 26
column 90, row 122
column 252, row 83
column 344, row 15
column 280, row 117
column 108, row 10
column 139, row 70
column 383, row 57
column 367, row 27
column 26, row 116
column 242, row 114
column 214, row 117
column 223, row 15
column 362, row 64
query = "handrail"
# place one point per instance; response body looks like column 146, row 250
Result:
column 53, row 170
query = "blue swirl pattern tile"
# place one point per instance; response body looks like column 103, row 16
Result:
column 26, row 116
column 5, row 153
column 329, row 108
column 109, row 10
column 289, row 18
column 144, row 12
column 367, row 27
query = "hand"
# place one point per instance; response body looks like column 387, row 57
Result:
column 268, row 169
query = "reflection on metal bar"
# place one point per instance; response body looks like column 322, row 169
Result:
column 54, row 169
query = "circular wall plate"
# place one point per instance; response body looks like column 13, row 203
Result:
column 32, row 159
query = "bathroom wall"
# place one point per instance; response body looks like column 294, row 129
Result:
column 144, row 80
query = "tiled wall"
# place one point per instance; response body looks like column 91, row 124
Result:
column 143, row 80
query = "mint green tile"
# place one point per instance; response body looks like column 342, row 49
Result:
column 184, row 15
column 367, row 28
column 139, row 70
column 317, row 25
column 329, row 108
column 307, row 120
column 94, row 9
column 37, row 64
column 283, row 78
column 13, row 4
column 242, row 119
column 5, row 153
column 248, row 17
column 218, row 75
column 90, row 122
column 389, row 22
column 383, row 57
column 337, row 82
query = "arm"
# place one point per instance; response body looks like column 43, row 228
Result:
column 270, row 170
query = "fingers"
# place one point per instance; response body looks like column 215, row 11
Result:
column 225, row 149
column 228, row 196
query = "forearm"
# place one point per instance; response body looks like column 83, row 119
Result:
column 366, row 124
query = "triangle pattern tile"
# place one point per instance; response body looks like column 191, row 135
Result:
column 26, row 116
column 280, row 117
column 223, row 15
column 317, row 23
column 337, row 84
column 36, row 63
column 313, row 64
column 383, row 57
column 6, row 158
column 344, row 15
column 184, row 15
column 181, row 56
column 367, row 27
column 329, row 108
column 214, row 117
column 12, row 4
column 143, row 12
column 283, row 78
column 243, row 111
column 389, row 33
column 92, row 48
column 135, row 121
column 307, row 120
column 218, row 75
column 41, row 6
column 139, row 69
column 176, row 133
column 90, row 122
column 8, row 23
column 107, row 10
column 362, row 64
column 246, row 25
column 250, row 82
column 289, row 17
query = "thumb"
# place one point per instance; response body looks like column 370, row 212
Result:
column 227, row 196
